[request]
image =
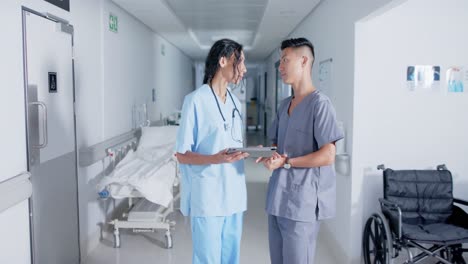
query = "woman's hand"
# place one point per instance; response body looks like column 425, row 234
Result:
column 224, row 157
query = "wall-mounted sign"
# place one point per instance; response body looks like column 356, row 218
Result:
column 113, row 23
column 423, row 77
column 325, row 76
column 52, row 82
column 457, row 79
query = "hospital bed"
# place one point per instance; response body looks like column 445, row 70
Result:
column 144, row 171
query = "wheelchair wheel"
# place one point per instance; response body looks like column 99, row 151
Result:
column 455, row 254
column 377, row 241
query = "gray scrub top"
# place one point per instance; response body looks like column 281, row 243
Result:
column 303, row 194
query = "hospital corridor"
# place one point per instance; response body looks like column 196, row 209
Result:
column 233, row 132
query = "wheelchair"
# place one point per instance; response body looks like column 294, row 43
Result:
column 418, row 212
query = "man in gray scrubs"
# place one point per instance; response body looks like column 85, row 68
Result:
column 302, row 188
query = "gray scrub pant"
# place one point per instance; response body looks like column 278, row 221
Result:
column 292, row 242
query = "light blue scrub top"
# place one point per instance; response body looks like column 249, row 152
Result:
column 216, row 189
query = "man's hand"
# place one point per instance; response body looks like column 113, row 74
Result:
column 275, row 161
column 224, row 157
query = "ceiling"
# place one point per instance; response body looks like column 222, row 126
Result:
column 194, row 25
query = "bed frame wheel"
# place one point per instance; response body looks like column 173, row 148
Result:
column 169, row 243
column 116, row 238
column 377, row 241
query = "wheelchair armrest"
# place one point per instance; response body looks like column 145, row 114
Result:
column 460, row 201
column 394, row 207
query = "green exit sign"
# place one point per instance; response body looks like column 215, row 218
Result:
column 113, row 23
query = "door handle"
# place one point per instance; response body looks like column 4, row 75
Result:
column 44, row 124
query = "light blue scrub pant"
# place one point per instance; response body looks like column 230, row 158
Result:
column 216, row 239
column 292, row 242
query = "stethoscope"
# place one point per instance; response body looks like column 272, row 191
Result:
column 226, row 125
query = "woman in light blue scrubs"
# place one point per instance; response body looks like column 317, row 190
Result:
column 213, row 185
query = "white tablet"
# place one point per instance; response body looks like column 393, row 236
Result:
column 255, row 152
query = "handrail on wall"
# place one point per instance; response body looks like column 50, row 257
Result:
column 15, row 190
column 97, row 152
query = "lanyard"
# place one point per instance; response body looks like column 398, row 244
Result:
column 226, row 125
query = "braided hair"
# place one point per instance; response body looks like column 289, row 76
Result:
column 221, row 48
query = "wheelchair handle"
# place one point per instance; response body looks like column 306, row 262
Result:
column 441, row 167
column 460, row 201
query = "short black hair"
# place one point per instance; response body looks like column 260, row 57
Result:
column 221, row 48
column 296, row 43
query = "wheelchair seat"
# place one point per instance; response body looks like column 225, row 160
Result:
column 426, row 201
column 418, row 211
column 439, row 234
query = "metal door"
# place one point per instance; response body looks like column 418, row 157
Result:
column 49, row 84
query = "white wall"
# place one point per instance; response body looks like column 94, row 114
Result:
column 394, row 126
column 128, row 69
column 14, row 241
column 112, row 72
column 173, row 78
column 86, row 18
column 330, row 27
